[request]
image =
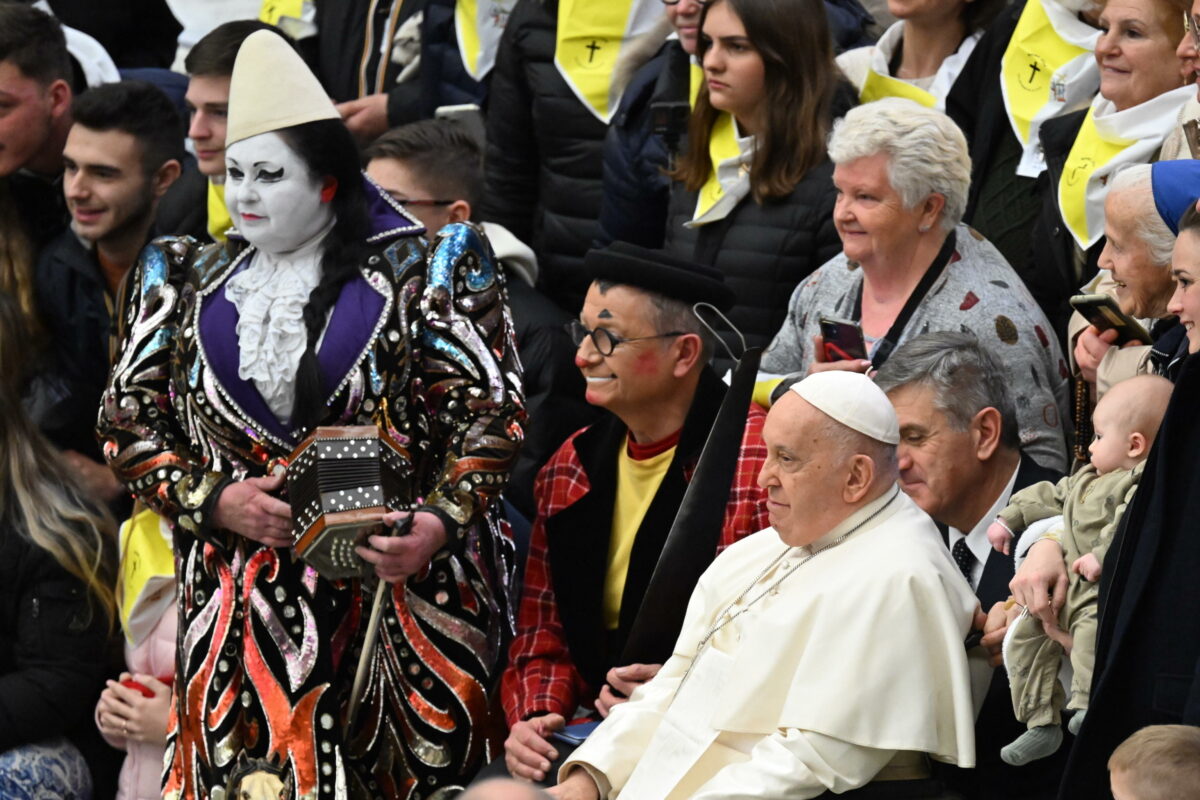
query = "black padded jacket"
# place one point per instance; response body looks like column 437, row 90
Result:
column 544, row 163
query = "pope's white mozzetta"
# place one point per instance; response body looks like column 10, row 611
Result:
column 809, row 661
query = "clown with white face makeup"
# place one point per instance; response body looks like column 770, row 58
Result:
column 325, row 308
column 276, row 202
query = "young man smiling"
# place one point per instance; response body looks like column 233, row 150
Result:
column 198, row 204
column 607, row 498
column 121, row 155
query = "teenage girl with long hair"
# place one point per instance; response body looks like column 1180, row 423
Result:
column 754, row 193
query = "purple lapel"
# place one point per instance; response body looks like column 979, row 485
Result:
column 350, row 329
column 218, row 336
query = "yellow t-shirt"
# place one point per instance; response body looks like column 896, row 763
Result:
column 637, row 483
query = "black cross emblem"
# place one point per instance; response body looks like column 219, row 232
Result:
column 1034, row 69
column 593, row 47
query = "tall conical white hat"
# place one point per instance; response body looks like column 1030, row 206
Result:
column 272, row 88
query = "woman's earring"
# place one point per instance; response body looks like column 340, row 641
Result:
column 329, row 189
column 923, row 229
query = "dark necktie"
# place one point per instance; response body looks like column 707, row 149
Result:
column 964, row 558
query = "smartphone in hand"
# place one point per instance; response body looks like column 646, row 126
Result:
column 1102, row 311
column 843, row 339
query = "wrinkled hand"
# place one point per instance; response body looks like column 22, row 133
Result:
column 577, row 786
column 1000, row 538
column 819, row 364
column 246, row 508
column 528, row 753
column 1041, row 583
column 1090, row 347
column 366, row 117
column 999, row 617
column 625, row 680
column 397, row 557
column 1088, row 566
column 97, row 480
column 128, row 714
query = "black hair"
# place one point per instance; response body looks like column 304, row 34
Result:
column 138, row 108
column 34, row 42
column 328, row 149
column 216, row 51
column 443, row 154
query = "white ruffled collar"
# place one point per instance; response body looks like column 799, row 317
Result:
column 270, row 295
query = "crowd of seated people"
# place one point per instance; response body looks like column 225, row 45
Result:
column 780, row 412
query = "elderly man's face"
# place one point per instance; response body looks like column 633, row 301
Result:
column 939, row 466
column 804, row 473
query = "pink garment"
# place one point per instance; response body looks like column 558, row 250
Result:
column 141, row 774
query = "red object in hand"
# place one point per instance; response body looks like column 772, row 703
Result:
column 130, row 683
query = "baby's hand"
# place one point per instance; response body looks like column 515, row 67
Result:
column 1088, row 566
column 1000, row 537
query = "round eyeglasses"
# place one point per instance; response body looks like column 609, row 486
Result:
column 604, row 340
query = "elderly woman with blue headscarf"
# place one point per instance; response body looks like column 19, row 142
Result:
column 1141, row 221
column 1142, row 214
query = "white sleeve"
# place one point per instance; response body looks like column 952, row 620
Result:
column 612, row 751
column 796, row 764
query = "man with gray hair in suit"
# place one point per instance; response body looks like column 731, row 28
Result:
column 960, row 460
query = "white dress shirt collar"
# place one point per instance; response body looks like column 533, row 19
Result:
column 977, row 541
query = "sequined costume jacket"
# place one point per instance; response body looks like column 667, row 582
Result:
column 418, row 343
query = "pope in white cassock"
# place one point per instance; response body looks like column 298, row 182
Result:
column 819, row 654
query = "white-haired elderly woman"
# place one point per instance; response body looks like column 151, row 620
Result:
column 908, row 267
column 1141, row 217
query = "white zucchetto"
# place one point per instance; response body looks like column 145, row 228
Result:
column 854, row 400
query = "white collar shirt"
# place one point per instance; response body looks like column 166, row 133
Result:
column 977, row 541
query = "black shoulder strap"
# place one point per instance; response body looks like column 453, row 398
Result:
column 888, row 343
column 692, row 541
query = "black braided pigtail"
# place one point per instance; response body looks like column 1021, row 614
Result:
column 329, row 150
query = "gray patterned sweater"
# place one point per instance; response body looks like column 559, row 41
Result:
column 978, row 292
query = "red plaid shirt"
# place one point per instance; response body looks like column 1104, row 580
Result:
column 541, row 678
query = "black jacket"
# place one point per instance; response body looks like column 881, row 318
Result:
column 637, row 191
column 70, row 291
column 554, row 388
column 1001, row 205
column 53, row 650
column 580, row 534
column 543, row 163
column 348, row 42
column 444, row 80
column 1050, row 273
column 765, row 250
column 41, row 205
column 639, row 143
column 1148, row 634
column 996, row 725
